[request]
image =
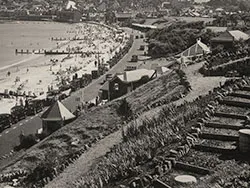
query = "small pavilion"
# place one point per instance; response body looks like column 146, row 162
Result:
column 56, row 116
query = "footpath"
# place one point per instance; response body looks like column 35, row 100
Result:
column 9, row 138
column 200, row 86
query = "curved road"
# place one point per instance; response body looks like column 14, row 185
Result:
column 10, row 137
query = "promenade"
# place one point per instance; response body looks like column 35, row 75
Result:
column 10, row 137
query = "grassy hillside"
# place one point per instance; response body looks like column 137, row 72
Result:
column 75, row 138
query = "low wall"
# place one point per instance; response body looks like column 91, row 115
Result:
column 192, row 168
column 228, row 115
column 213, row 149
column 223, row 126
column 220, row 137
column 245, row 96
column 235, row 103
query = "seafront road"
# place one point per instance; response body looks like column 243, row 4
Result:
column 10, row 137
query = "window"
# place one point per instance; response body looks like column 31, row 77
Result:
column 116, row 86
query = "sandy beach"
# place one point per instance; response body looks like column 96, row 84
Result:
column 33, row 77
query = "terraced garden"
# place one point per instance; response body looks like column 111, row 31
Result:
column 46, row 160
column 198, row 138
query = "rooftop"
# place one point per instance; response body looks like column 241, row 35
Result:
column 198, row 48
column 135, row 75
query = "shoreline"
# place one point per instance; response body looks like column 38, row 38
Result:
column 37, row 72
column 20, row 62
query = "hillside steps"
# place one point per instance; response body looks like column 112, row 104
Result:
column 241, row 95
column 192, row 168
column 223, row 126
column 235, row 103
column 220, row 137
column 245, row 88
column 230, row 115
column 214, row 149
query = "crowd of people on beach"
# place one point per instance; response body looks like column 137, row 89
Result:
column 97, row 45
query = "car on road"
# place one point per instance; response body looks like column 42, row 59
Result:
column 5, row 121
column 134, row 58
column 34, row 106
column 52, row 96
column 18, row 113
column 142, row 48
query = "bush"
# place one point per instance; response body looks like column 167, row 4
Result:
column 125, row 109
column 27, row 141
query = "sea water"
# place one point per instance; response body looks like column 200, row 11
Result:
column 28, row 35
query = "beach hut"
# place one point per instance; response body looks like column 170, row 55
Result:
column 55, row 117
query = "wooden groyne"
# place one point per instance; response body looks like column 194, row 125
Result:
column 66, row 39
column 22, row 51
column 54, row 52
column 57, row 52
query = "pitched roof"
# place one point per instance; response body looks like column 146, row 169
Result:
column 230, row 36
column 144, row 26
column 135, row 75
column 57, row 112
column 198, row 48
column 123, row 15
column 105, row 86
column 161, row 70
column 237, row 35
column 216, row 29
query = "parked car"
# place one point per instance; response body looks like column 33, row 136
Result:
column 5, row 121
column 134, row 58
column 142, row 48
column 75, row 84
column 18, row 113
column 52, row 96
column 34, row 106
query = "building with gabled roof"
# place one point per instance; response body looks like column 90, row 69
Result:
column 227, row 38
column 128, row 81
column 198, row 49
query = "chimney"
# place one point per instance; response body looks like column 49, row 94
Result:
column 125, row 76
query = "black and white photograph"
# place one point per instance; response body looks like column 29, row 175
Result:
column 124, row 93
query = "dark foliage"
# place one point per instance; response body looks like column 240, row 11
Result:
column 176, row 38
column 124, row 109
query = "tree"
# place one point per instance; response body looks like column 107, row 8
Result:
column 244, row 6
column 234, row 19
column 218, row 49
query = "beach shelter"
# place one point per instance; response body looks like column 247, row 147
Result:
column 198, row 49
column 55, row 117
